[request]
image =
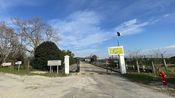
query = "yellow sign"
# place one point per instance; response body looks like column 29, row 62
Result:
column 116, row 50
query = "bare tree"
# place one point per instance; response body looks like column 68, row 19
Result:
column 33, row 31
column 157, row 55
column 9, row 42
column 51, row 34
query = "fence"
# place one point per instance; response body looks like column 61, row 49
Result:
column 133, row 65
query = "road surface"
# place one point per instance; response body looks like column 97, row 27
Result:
column 91, row 82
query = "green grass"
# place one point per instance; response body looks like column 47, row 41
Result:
column 14, row 70
column 22, row 71
column 146, row 78
column 141, row 78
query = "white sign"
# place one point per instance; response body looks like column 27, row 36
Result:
column 18, row 62
column 7, row 64
column 54, row 63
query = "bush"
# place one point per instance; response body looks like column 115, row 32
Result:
column 44, row 52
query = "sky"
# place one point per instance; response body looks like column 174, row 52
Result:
column 89, row 27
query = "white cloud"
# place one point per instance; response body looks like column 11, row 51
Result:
column 131, row 27
column 134, row 26
column 80, row 31
column 168, row 51
column 170, row 46
column 86, row 52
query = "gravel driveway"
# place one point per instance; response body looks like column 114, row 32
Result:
column 91, row 82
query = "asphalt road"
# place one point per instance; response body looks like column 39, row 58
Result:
column 91, row 82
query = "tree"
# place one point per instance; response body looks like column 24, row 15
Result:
column 44, row 52
column 93, row 58
column 71, row 55
column 156, row 57
column 9, row 43
column 33, row 32
column 172, row 60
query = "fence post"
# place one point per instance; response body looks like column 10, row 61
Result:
column 138, row 69
column 153, row 67
column 164, row 62
column 143, row 68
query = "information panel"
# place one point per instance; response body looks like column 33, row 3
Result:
column 54, row 62
column 118, row 50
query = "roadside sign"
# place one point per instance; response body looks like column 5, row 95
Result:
column 54, row 63
column 18, row 62
column 51, row 63
column 118, row 50
column 7, row 64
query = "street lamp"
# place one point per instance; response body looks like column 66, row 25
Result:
column 118, row 34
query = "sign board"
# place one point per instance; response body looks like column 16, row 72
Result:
column 18, row 62
column 54, row 63
column 118, row 50
column 7, row 64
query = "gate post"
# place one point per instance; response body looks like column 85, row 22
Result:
column 122, row 64
column 66, row 64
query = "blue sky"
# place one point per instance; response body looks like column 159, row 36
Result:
column 89, row 26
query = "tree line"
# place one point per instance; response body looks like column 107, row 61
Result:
column 20, row 39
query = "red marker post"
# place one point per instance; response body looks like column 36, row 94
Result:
column 164, row 79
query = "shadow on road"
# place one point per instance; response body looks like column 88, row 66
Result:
column 100, row 72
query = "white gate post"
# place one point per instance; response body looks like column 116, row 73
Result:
column 66, row 64
column 122, row 64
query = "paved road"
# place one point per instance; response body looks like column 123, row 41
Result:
column 91, row 82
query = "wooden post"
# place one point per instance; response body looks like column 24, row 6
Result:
column 153, row 67
column 143, row 68
column 57, row 69
column 18, row 66
column 138, row 69
column 50, row 69
column 164, row 62
column 133, row 67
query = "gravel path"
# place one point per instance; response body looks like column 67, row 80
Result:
column 91, row 82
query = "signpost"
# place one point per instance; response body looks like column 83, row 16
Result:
column 19, row 64
column 54, row 63
column 7, row 64
column 118, row 50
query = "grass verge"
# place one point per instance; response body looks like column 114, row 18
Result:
column 146, row 78
column 13, row 70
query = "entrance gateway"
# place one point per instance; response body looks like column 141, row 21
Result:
column 119, row 51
